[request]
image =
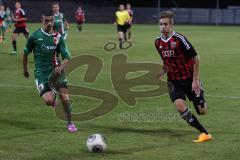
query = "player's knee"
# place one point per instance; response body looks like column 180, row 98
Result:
column 14, row 37
column 64, row 97
column 49, row 102
column 180, row 105
column 201, row 109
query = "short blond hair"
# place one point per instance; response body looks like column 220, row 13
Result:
column 167, row 14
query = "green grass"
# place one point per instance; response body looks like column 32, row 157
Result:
column 31, row 131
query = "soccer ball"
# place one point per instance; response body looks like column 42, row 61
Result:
column 96, row 143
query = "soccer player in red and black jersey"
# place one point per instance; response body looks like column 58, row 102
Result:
column 80, row 18
column 181, row 63
column 20, row 25
column 129, row 24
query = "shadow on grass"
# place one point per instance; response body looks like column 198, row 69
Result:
column 152, row 132
column 27, row 125
column 20, row 123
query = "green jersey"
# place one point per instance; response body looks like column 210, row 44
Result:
column 8, row 15
column 59, row 20
column 3, row 17
column 46, row 49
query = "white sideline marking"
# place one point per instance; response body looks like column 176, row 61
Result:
column 26, row 86
column 15, row 86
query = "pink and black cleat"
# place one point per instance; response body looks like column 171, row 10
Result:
column 71, row 128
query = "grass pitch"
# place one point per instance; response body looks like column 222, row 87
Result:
column 31, row 131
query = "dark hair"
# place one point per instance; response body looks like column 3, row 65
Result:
column 55, row 3
column 47, row 12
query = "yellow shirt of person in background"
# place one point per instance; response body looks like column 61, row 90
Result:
column 122, row 17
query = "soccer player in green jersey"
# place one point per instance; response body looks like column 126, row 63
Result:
column 2, row 24
column 9, row 16
column 60, row 22
column 46, row 45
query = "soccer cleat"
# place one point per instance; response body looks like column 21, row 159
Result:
column 13, row 52
column 71, row 128
column 203, row 137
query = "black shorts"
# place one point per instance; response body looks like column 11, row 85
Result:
column 181, row 89
column 122, row 28
column 79, row 22
column 23, row 30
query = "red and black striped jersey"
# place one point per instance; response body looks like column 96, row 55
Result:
column 130, row 12
column 19, row 13
column 79, row 15
column 177, row 54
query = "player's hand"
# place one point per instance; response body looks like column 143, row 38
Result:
column 114, row 23
column 15, row 19
column 26, row 74
column 196, row 87
column 59, row 69
column 67, row 26
column 160, row 75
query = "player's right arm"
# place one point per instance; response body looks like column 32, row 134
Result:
column 163, row 70
column 27, row 50
column 116, row 19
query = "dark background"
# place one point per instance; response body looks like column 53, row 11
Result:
column 154, row 3
column 145, row 11
column 170, row 3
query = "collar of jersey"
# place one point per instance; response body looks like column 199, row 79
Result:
column 168, row 38
column 18, row 9
column 47, row 33
column 57, row 14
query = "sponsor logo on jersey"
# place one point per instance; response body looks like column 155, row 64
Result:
column 168, row 53
column 40, row 39
column 48, row 48
column 173, row 44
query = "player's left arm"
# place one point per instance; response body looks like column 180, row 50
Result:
column 84, row 18
column 63, row 49
column 192, row 54
column 128, row 19
column 131, row 16
column 66, row 24
column 196, row 79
